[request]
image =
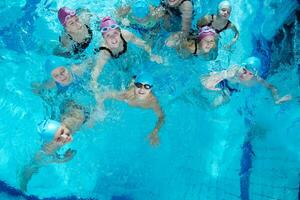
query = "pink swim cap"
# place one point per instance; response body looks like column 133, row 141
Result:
column 107, row 22
column 205, row 31
column 64, row 14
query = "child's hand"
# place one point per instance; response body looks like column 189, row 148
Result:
column 36, row 88
column 125, row 22
column 210, row 82
column 283, row 99
column 156, row 58
column 69, row 155
column 154, row 139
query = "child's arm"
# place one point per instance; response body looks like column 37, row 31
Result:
column 274, row 91
column 236, row 36
column 211, row 81
column 37, row 87
column 154, row 139
column 142, row 44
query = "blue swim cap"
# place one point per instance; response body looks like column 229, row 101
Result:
column 53, row 62
column 47, row 129
column 140, row 9
column 144, row 78
column 253, row 63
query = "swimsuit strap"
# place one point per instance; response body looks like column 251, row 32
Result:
column 89, row 30
column 217, row 30
column 104, row 48
column 225, row 85
column 173, row 10
column 110, row 52
column 224, row 28
column 212, row 20
column 79, row 47
column 196, row 47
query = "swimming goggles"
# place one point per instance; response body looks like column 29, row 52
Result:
column 140, row 85
column 69, row 16
column 108, row 28
column 206, row 29
column 244, row 72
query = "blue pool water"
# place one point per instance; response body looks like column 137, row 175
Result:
column 246, row 149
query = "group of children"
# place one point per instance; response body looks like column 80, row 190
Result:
column 73, row 80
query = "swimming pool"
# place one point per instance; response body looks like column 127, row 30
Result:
column 247, row 149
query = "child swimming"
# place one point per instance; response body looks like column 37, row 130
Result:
column 139, row 94
column 115, row 46
column 77, row 34
column 242, row 75
column 220, row 22
column 204, row 45
column 142, row 17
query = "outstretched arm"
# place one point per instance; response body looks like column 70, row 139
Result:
column 27, row 172
column 118, row 95
column 102, row 60
column 154, row 139
column 85, row 15
column 121, row 15
column 213, row 79
column 186, row 9
column 83, row 67
column 142, row 44
column 158, row 12
column 274, row 91
column 36, row 163
column 122, row 11
column 236, row 36
column 37, row 87
column 40, row 159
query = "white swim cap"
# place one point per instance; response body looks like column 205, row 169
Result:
column 224, row 4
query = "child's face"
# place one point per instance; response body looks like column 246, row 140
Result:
column 225, row 12
column 61, row 75
column 208, row 43
column 112, row 38
column 244, row 74
column 73, row 24
column 63, row 135
column 142, row 91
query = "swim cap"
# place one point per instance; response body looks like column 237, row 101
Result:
column 144, row 78
column 253, row 63
column 64, row 14
column 53, row 62
column 224, row 4
column 140, row 9
column 107, row 22
column 205, row 31
column 47, row 129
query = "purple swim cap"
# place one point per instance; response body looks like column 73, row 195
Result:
column 205, row 31
column 107, row 22
column 64, row 14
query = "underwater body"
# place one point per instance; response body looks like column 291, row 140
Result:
column 248, row 148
